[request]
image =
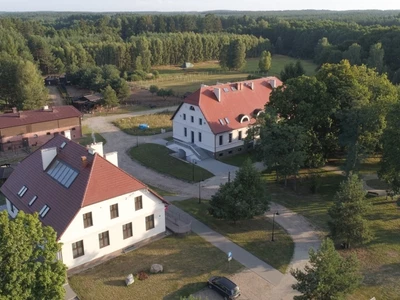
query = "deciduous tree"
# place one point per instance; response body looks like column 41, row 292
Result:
column 29, row 268
column 243, row 198
column 110, row 97
column 264, row 64
column 328, row 276
column 292, row 70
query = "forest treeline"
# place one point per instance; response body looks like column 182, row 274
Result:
column 136, row 41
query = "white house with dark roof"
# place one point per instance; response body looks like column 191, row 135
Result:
column 97, row 209
column 214, row 120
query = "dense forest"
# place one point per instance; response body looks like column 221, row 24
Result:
column 133, row 43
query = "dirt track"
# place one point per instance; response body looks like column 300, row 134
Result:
column 55, row 96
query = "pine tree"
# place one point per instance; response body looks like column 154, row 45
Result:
column 347, row 213
column 328, row 276
column 110, row 97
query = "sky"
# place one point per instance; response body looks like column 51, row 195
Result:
column 192, row 5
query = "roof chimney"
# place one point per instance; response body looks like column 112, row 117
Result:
column 67, row 134
column 14, row 110
column 217, row 92
column 96, row 148
column 112, row 157
column 46, row 107
column 84, row 161
column 47, row 156
column 252, row 85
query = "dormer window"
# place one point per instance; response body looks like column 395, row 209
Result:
column 257, row 112
column 45, row 209
column 22, row 191
column 191, row 107
column 244, row 118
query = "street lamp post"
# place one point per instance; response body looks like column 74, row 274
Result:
column 200, row 191
column 273, row 226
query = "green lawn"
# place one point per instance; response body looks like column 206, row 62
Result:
column 238, row 159
column 158, row 157
column 188, row 262
column 87, row 137
column 161, row 192
column 156, row 122
column 380, row 259
column 209, row 73
column 253, row 235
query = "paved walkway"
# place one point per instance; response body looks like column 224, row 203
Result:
column 304, row 237
column 247, row 259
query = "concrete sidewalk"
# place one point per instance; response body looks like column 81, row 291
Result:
column 247, row 259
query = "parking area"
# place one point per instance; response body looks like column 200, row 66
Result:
column 252, row 287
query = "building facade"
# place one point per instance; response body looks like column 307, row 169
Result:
column 217, row 118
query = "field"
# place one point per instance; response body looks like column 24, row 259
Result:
column 156, row 122
column 188, row 262
column 253, row 235
column 210, row 73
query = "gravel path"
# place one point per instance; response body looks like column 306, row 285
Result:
column 55, row 96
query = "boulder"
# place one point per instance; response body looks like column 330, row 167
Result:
column 129, row 279
column 156, row 268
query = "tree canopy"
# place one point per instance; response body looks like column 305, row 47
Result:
column 264, row 64
column 243, row 198
column 29, row 268
column 348, row 223
column 328, row 276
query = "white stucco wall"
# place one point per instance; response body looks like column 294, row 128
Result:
column 178, row 125
column 235, row 139
column 11, row 209
column 102, row 222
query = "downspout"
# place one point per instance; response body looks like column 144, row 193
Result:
column 215, row 146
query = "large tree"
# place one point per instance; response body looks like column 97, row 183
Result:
column 233, row 55
column 348, row 222
column 243, row 198
column 390, row 162
column 264, row 64
column 328, row 275
column 110, row 97
column 29, row 268
column 292, row 70
column 375, row 59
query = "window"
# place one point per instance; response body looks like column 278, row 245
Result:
column 149, row 222
column 230, row 138
column 77, row 249
column 104, row 239
column 191, row 108
column 45, row 209
column 199, row 136
column 200, row 121
column 192, row 119
column 240, row 135
column 227, row 120
column 63, row 144
column 63, row 173
column 73, row 128
column 114, row 211
column 12, row 208
column 138, row 203
column 22, row 191
column 87, row 220
column 127, row 230
column 48, row 133
column 32, row 200
column 184, row 116
column 185, row 131
column 220, row 139
column 221, row 121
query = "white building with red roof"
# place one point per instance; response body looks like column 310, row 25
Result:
column 215, row 119
column 97, row 209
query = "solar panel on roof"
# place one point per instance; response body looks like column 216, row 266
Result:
column 63, row 173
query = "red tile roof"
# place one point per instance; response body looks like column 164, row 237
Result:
column 233, row 103
column 36, row 116
column 100, row 180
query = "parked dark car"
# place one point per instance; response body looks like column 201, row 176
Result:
column 224, row 287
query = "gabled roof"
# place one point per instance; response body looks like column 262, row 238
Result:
column 36, row 116
column 99, row 180
column 236, row 99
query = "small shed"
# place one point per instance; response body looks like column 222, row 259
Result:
column 187, row 65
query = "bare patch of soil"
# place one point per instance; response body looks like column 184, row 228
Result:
column 143, row 97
